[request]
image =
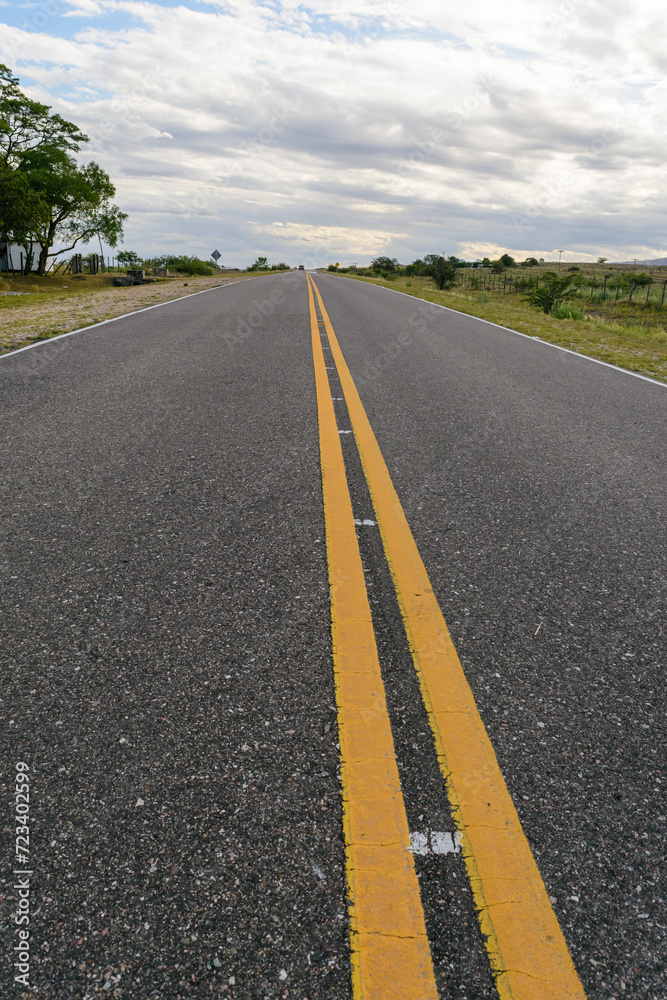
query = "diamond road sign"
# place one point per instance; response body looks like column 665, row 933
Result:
column 216, row 255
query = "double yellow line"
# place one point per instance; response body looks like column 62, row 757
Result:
column 390, row 952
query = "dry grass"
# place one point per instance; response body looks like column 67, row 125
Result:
column 630, row 337
column 50, row 306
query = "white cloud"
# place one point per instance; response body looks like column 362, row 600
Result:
column 399, row 127
column 82, row 8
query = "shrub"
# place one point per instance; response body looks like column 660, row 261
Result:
column 183, row 264
column 442, row 271
column 551, row 291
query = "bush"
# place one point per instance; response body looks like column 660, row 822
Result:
column 332, row 267
column 552, row 291
column 182, row 264
column 442, row 271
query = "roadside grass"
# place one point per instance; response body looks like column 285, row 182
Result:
column 630, row 336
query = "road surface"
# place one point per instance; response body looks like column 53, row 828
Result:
column 221, row 798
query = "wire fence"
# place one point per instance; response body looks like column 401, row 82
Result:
column 638, row 289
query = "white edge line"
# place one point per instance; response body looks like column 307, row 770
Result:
column 538, row 340
column 133, row 312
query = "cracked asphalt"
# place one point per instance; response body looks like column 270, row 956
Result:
column 165, row 638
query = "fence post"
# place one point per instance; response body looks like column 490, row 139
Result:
column 662, row 300
column 618, row 288
column 604, row 289
column 648, row 290
column 632, row 288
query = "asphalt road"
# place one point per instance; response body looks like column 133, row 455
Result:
column 166, row 652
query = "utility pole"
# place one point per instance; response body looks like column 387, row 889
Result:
column 559, row 252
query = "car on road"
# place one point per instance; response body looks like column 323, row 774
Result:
column 301, row 267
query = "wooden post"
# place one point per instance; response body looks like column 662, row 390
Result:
column 604, row 289
column 648, row 290
column 662, row 300
column 632, row 288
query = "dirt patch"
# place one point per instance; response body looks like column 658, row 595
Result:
column 28, row 321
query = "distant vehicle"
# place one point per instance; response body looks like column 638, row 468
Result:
column 301, row 267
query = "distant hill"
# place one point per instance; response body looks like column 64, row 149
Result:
column 656, row 262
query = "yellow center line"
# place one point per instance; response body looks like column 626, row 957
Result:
column 525, row 944
column 391, row 959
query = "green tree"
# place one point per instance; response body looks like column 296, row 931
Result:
column 22, row 211
column 507, row 261
column 530, row 262
column 384, row 264
column 26, row 126
column 442, row 271
column 417, row 267
column 62, row 202
column 78, row 199
column 261, row 264
column 602, row 260
column 553, row 290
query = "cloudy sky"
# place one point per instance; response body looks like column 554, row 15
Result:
column 322, row 131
